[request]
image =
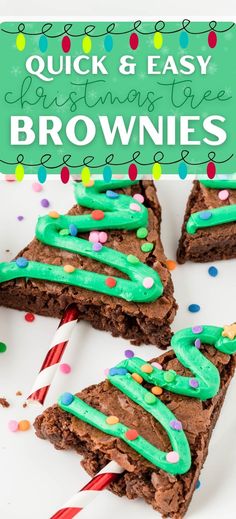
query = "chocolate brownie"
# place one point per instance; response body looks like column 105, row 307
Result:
column 216, row 240
column 167, row 493
column 140, row 322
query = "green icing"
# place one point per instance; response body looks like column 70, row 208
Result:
column 219, row 215
column 205, row 373
column 117, row 215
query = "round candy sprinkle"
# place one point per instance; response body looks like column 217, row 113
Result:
column 65, row 368
column 110, row 282
column 193, row 382
column 97, row 247
column 146, row 368
column 37, row 187
column 150, row 398
column 156, row 390
column 97, row 214
column 64, row 232
column 117, row 371
column 24, row 425
column 176, row 425
column 197, row 329
column 197, row 344
column 139, row 198
column 169, row 376
column 69, row 269
column 193, row 308
column 102, row 236
column 132, row 259
column 172, row 457
column 111, row 194
column 20, row 218
column 73, row 229
column 22, row 262
column 148, row 282
column 67, row 398
column 223, row 195
column 198, row 484
column 129, row 354
column 13, row 425
column 137, row 378
column 213, row 271
column 205, row 215
column 147, row 247
column 94, row 236
column 131, row 434
column 29, row 317
column 142, row 232
column 171, row 264
column 44, row 202
column 135, row 207
column 53, row 214
column 3, row 347
column 112, row 420
column 157, row 365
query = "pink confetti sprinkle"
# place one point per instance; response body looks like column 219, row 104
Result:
column 10, row 178
column 65, row 368
column 148, row 282
column 172, row 457
column 37, row 187
column 157, row 365
column 106, row 371
column 94, row 236
column 13, row 426
column 139, row 198
column 135, row 207
column 102, row 237
column 223, row 195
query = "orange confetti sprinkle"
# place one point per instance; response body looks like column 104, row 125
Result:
column 111, row 420
column 147, row 368
column 69, row 268
column 156, row 390
column 24, row 425
column 90, row 183
column 171, row 264
column 53, row 214
column 137, row 378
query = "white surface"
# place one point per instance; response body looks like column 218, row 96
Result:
column 36, row 479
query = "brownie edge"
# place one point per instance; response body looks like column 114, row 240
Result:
column 168, row 494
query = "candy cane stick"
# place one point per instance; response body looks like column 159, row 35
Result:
column 89, row 492
column 54, row 354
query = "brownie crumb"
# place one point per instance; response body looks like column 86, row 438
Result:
column 4, row 402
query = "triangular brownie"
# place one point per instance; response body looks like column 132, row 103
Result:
column 209, row 228
column 106, row 256
column 186, row 402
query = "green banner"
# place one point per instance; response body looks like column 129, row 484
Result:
column 146, row 97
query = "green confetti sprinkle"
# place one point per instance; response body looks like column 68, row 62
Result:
column 150, row 398
column 132, row 259
column 147, row 247
column 142, row 232
column 169, row 376
column 64, row 232
column 3, row 347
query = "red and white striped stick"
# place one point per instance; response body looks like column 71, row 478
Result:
column 54, row 354
column 89, row 492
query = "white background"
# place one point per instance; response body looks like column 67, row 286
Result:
column 36, row 479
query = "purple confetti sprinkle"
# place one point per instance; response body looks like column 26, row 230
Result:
column 197, row 344
column 129, row 354
column 44, row 202
column 97, row 247
column 20, row 218
column 193, row 382
column 176, row 425
column 197, row 329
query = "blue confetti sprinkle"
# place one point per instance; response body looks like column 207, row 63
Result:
column 205, row 215
column 193, row 308
column 111, row 194
column 67, row 398
column 22, row 262
column 73, row 229
column 213, row 271
column 117, row 371
column 198, row 484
